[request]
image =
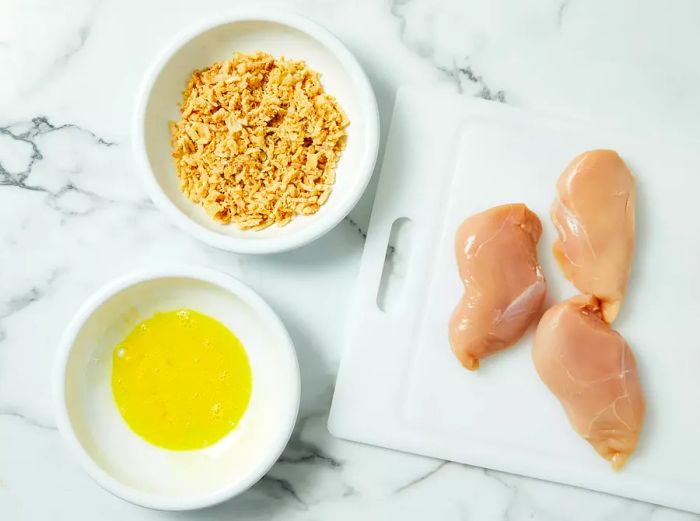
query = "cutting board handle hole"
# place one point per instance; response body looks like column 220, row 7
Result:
column 396, row 262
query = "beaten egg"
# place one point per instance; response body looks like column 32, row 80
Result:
column 181, row 380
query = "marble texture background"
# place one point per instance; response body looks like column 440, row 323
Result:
column 72, row 217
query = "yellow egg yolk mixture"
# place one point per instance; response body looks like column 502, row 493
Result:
column 181, row 380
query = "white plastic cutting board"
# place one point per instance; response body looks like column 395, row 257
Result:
column 399, row 385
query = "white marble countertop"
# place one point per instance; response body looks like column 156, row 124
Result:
column 73, row 217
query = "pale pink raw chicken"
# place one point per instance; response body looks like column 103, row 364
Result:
column 504, row 287
column 591, row 370
column 594, row 215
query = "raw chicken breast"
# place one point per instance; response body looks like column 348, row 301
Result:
column 594, row 214
column 504, row 287
column 591, row 370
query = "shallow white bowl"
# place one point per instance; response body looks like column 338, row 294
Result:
column 124, row 463
column 280, row 34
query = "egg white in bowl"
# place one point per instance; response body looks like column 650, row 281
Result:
column 126, row 464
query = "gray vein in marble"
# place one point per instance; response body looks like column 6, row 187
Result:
column 357, row 227
column 300, row 451
column 12, row 413
column 460, row 75
column 82, row 34
column 97, row 200
column 282, row 488
column 390, row 251
column 6, row 178
column 560, row 13
column 396, row 12
column 649, row 514
column 421, row 478
column 654, row 508
column 39, row 126
column 511, row 488
column 308, row 454
column 349, row 491
column 303, row 456
column 20, row 302
column 25, row 299
column 54, row 200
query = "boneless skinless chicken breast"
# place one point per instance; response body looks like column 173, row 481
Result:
column 594, row 215
column 504, row 287
column 591, row 370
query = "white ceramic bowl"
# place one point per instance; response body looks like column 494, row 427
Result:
column 124, row 463
column 277, row 33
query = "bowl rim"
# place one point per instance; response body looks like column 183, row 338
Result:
column 363, row 173
column 65, row 427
